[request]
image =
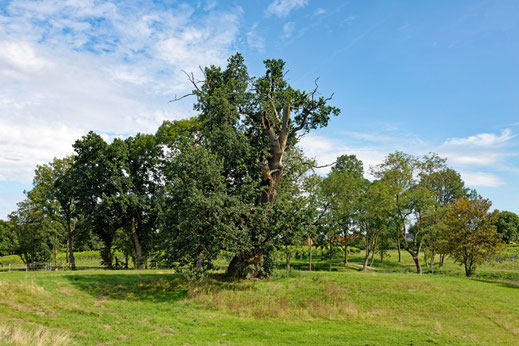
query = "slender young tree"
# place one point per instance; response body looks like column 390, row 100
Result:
column 373, row 217
column 342, row 188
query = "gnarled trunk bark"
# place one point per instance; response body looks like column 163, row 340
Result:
column 248, row 263
column 418, row 265
column 106, row 255
column 245, row 265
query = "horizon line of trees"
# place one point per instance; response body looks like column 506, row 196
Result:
column 233, row 179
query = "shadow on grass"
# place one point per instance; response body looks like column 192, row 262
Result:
column 133, row 287
column 508, row 284
column 152, row 287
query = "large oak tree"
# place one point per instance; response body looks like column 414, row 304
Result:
column 250, row 123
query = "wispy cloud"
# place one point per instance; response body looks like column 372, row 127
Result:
column 67, row 67
column 288, row 30
column 480, row 165
column 254, row 39
column 282, row 8
column 319, row 11
column 482, row 139
column 481, row 179
column 349, row 19
column 326, row 150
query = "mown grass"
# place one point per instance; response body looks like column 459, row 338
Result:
column 505, row 271
column 159, row 307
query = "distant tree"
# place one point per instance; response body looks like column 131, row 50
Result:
column 7, row 238
column 52, row 193
column 445, row 182
column 198, row 217
column 178, row 133
column 349, row 163
column 399, row 172
column 91, row 176
column 374, row 212
column 117, row 186
column 294, row 213
column 508, row 226
column 341, row 190
column 472, row 236
column 446, row 186
column 35, row 235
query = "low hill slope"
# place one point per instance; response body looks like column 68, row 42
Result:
column 156, row 307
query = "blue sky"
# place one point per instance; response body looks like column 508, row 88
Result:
column 416, row 76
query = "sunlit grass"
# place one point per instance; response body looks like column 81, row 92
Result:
column 158, row 307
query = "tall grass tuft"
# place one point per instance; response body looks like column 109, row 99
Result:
column 40, row 336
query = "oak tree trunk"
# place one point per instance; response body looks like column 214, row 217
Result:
column 245, row 265
column 418, row 265
column 399, row 252
column 432, row 261
column 70, row 247
column 366, row 259
column 138, row 249
column 287, row 258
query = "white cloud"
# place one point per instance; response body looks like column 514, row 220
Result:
column 371, row 137
column 477, row 158
column 484, row 151
column 282, row 8
column 255, row 40
column 481, row 179
column 349, row 19
column 482, row 139
column 210, row 5
column 479, row 166
column 319, row 12
column 288, row 29
column 67, row 67
column 17, row 58
column 326, row 150
column 24, row 145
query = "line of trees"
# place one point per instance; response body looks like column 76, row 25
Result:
column 233, row 179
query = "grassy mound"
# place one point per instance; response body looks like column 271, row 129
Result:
column 154, row 307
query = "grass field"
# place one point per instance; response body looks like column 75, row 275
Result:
column 340, row 307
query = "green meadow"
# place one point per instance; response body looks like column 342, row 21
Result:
column 389, row 305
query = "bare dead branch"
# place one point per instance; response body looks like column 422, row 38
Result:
column 324, row 166
column 180, row 98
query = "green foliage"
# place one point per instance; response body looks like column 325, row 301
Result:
column 198, row 216
column 472, row 236
column 116, row 186
column 250, row 124
column 35, row 235
column 508, row 226
column 7, row 238
column 351, row 164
